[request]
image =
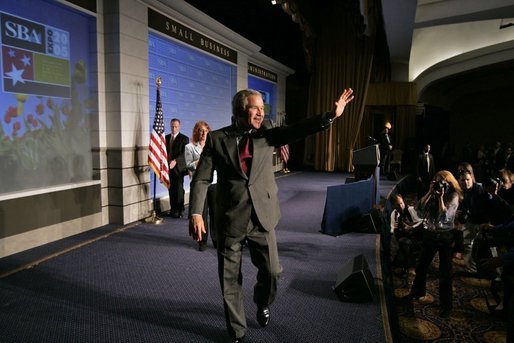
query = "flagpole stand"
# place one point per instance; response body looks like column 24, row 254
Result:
column 154, row 219
column 158, row 125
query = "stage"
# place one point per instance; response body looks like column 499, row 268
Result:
column 149, row 283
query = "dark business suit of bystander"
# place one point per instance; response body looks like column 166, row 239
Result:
column 176, row 190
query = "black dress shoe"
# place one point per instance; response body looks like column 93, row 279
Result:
column 238, row 339
column 202, row 246
column 263, row 316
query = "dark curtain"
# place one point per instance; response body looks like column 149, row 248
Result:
column 343, row 58
column 345, row 47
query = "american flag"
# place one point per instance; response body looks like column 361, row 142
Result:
column 284, row 153
column 157, row 155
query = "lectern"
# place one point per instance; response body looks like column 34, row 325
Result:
column 366, row 162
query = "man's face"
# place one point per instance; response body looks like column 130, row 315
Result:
column 427, row 148
column 175, row 127
column 465, row 181
column 255, row 111
column 401, row 204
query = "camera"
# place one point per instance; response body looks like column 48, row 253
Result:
column 399, row 219
column 441, row 186
column 493, row 182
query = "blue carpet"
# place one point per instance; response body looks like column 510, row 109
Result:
column 148, row 283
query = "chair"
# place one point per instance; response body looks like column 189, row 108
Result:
column 396, row 159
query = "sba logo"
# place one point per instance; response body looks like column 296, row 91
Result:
column 22, row 33
column 18, row 31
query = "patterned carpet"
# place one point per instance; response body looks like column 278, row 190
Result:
column 470, row 320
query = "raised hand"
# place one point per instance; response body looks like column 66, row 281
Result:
column 343, row 100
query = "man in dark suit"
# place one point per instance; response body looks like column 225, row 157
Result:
column 176, row 144
column 247, row 199
column 386, row 147
column 425, row 169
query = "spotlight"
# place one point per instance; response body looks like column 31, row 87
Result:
column 273, row 2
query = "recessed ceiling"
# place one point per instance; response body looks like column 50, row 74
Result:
column 429, row 40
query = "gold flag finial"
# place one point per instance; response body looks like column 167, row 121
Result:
column 158, row 81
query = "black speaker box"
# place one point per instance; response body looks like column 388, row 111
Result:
column 354, row 282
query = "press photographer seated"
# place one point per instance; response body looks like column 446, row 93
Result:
column 494, row 251
column 492, row 242
column 406, row 234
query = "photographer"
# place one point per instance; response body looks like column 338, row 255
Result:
column 406, row 234
column 501, row 236
column 498, row 209
column 438, row 209
column 506, row 190
column 472, row 212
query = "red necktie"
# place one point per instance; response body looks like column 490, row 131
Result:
column 245, row 156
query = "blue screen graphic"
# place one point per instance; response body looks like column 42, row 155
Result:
column 47, row 95
column 195, row 86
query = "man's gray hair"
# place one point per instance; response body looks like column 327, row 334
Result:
column 240, row 101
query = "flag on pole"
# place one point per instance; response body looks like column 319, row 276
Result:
column 284, row 153
column 284, row 156
column 157, row 155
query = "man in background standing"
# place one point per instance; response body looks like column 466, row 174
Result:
column 176, row 144
column 385, row 146
column 425, row 170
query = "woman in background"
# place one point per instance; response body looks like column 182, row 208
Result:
column 192, row 156
column 438, row 209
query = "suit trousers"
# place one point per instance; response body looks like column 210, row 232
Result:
column 209, row 214
column 176, row 193
column 264, row 255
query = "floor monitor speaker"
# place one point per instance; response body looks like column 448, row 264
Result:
column 354, row 281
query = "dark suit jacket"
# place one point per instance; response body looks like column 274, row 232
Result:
column 422, row 170
column 238, row 194
column 384, row 142
column 177, row 153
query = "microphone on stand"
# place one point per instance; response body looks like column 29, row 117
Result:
column 372, row 139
